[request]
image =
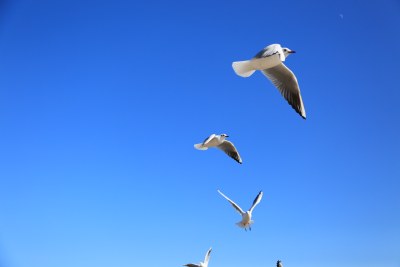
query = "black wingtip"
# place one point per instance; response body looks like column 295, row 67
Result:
column 237, row 160
column 297, row 110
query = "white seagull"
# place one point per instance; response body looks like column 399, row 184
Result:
column 219, row 141
column 246, row 216
column 279, row 264
column 201, row 264
column 270, row 62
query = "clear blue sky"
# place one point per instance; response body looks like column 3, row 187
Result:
column 102, row 101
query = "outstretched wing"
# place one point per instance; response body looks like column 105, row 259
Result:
column 233, row 203
column 191, row 265
column 256, row 201
column 230, row 150
column 207, row 257
column 284, row 79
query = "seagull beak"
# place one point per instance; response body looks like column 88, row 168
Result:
column 292, row 52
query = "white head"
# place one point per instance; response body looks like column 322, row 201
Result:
column 287, row 51
column 224, row 136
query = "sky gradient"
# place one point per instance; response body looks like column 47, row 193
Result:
column 102, row 101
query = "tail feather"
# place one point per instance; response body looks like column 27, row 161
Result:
column 243, row 225
column 243, row 68
column 200, row 147
column 240, row 224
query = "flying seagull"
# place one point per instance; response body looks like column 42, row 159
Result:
column 201, row 264
column 219, row 141
column 279, row 264
column 270, row 62
column 246, row 216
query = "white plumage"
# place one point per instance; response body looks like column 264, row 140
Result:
column 270, row 62
column 201, row 264
column 246, row 221
column 220, row 142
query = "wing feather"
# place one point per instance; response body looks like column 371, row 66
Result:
column 286, row 82
column 230, row 150
column 256, row 200
column 269, row 51
column 207, row 257
column 208, row 139
column 232, row 203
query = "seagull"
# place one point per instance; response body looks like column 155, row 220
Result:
column 219, row 141
column 279, row 264
column 270, row 62
column 201, row 264
column 246, row 216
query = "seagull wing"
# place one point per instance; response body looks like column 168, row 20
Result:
column 233, row 203
column 270, row 51
column 191, row 265
column 284, row 79
column 207, row 257
column 256, row 201
column 230, row 150
column 208, row 139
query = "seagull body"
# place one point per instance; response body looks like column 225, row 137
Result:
column 246, row 221
column 220, row 142
column 270, row 62
column 201, row 264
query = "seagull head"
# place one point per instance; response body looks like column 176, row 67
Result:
column 224, row 135
column 278, row 263
column 287, row 51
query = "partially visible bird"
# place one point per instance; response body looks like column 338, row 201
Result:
column 246, row 221
column 270, row 62
column 279, row 264
column 219, row 141
column 201, row 264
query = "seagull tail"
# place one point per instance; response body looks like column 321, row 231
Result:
column 240, row 224
column 243, row 68
column 200, row 147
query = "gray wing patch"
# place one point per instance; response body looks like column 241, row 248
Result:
column 284, row 79
column 230, row 150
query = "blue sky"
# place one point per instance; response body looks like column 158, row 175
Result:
column 102, row 101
